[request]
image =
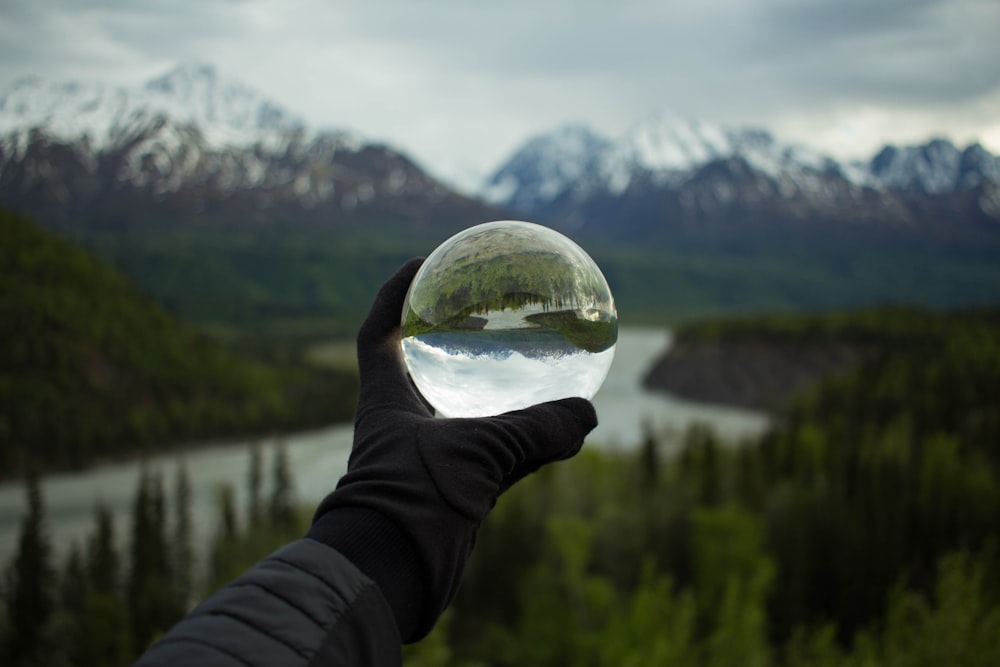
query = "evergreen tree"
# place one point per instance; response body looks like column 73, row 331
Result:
column 282, row 506
column 102, row 555
column 649, row 461
column 184, row 557
column 71, row 613
column 101, row 635
column 153, row 603
column 4, row 625
column 254, row 482
column 227, row 509
column 31, row 587
column 226, row 543
column 73, row 580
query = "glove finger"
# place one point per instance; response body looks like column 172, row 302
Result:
column 384, row 381
column 553, row 431
column 472, row 461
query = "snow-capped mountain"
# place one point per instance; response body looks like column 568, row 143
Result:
column 227, row 113
column 194, row 145
column 937, row 168
column 545, row 167
column 192, row 142
column 663, row 146
column 683, row 173
column 671, row 148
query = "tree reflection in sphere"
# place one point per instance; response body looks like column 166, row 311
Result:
column 505, row 315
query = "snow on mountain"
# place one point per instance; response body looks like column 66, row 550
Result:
column 663, row 144
column 663, row 151
column 936, row 168
column 668, row 170
column 663, row 148
column 545, row 166
column 201, row 136
column 977, row 166
column 670, row 148
column 227, row 113
column 191, row 142
column 190, row 126
column 933, row 168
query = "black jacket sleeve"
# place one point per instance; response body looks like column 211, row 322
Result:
column 305, row 605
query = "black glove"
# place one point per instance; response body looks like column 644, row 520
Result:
column 430, row 480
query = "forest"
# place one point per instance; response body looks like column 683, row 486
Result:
column 861, row 529
column 317, row 281
column 93, row 369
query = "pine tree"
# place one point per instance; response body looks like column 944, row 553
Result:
column 282, row 506
column 153, row 603
column 31, row 587
column 227, row 508
column 101, row 626
column 73, row 581
column 142, row 562
column 226, row 541
column 4, row 625
column 184, row 558
column 102, row 556
column 73, row 594
column 254, row 482
column 649, row 461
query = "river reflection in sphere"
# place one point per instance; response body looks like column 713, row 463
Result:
column 505, row 315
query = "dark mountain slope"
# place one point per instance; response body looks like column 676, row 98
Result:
column 89, row 368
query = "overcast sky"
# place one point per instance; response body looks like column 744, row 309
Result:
column 458, row 84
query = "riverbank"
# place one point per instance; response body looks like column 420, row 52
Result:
column 318, row 458
column 757, row 374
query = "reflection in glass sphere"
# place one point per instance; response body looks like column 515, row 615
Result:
column 505, row 315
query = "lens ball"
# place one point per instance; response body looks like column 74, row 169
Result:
column 505, row 315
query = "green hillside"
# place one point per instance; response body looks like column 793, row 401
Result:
column 301, row 282
column 90, row 368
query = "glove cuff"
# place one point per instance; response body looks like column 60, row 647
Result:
column 384, row 553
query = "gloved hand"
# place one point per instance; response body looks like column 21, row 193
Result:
column 432, row 480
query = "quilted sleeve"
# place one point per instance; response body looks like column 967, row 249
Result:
column 304, row 605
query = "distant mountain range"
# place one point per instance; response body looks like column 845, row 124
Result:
column 668, row 174
column 194, row 147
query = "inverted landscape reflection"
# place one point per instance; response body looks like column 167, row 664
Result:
column 505, row 315
column 474, row 375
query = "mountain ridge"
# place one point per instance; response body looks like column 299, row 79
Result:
column 226, row 111
column 670, row 171
column 191, row 145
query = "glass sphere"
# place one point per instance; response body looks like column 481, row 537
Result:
column 505, row 315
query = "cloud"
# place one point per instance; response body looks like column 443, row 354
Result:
column 893, row 51
column 458, row 82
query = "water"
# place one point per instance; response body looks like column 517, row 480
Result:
column 475, row 374
column 318, row 458
column 626, row 410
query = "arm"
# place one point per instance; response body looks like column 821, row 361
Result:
column 393, row 538
column 305, row 604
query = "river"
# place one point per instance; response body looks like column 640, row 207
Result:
column 318, row 458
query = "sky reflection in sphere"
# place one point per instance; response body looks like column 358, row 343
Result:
column 505, row 315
